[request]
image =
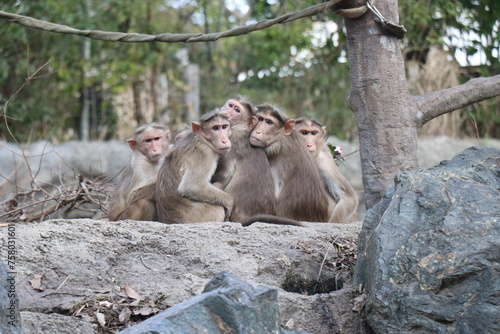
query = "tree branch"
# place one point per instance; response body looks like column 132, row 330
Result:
column 434, row 104
column 167, row 37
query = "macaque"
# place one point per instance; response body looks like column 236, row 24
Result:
column 134, row 195
column 181, row 133
column 245, row 172
column 299, row 191
column 184, row 191
column 342, row 197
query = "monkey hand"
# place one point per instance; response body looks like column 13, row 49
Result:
column 218, row 185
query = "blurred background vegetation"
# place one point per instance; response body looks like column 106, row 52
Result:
column 102, row 90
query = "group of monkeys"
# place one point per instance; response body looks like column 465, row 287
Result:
column 239, row 163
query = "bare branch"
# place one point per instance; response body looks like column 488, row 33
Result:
column 166, row 37
column 434, row 104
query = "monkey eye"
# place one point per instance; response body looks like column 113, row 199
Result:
column 149, row 140
column 269, row 122
column 230, row 105
column 261, row 118
column 157, row 138
column 314, row 133
column 237, row 110
column 303, row 132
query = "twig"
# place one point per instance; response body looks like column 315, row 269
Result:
column 64, row 282
column 324, row 257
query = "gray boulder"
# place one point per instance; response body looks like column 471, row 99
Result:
column 33, row 322
column 429, row 252
column 88, row 262
column 227, row 305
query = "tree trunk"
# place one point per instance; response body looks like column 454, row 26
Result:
column 85, row 107
column 84, row 91
column 138, row 108
column 192, row 95
column 384, row 110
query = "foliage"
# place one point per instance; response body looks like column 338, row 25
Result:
column 299, row 66
column 438, row 21
column 468, row 28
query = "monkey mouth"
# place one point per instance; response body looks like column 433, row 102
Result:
column 255, row 141
column 155, row 157
column 252, row 138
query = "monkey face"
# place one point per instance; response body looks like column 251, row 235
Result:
column 152, row 143
column 235, row 111
column 217, row 132
column 267, row 131
column 312, row 137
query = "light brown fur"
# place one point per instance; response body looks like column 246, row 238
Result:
column 245, row 171
column 134, row 195
column 184, row 190
column 300, row 194
column 343, row 201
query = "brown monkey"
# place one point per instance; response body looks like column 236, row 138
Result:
column 184, row 192
column 300, row 194
column 134, row 195
column 181, row 133
column 343, row 199
column 245, row 172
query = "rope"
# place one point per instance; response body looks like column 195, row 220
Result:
column 166, row 37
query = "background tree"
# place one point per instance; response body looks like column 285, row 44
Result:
column 284, row 65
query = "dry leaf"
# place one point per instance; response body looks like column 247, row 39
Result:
column 36, row 283
column 131, row 293
column 359, row 303
column 146, row 310
column 106, row 304
column 124, row 315
column 100, row 319
column 135, row 302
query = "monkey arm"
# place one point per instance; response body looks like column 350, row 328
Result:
column 338, row 187
column 195, row 185
column 332, row 178
column 225, row 170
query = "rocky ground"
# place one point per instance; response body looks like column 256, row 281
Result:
column 109, row 275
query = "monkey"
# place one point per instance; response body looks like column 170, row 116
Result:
column 181, row 133
column 299, row 191
column 342, row 197
column 245, row 172
column 184, row 191
column 134, row 194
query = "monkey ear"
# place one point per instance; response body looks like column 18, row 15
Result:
column 252, row 122
column 132, row 143
column 289, row 125
column 324, row 134
column 195, row 127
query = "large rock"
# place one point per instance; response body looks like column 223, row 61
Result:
column 50, row 165
column 227, row 305
column 429, row 252
column 85, row 263
column 33, row 322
